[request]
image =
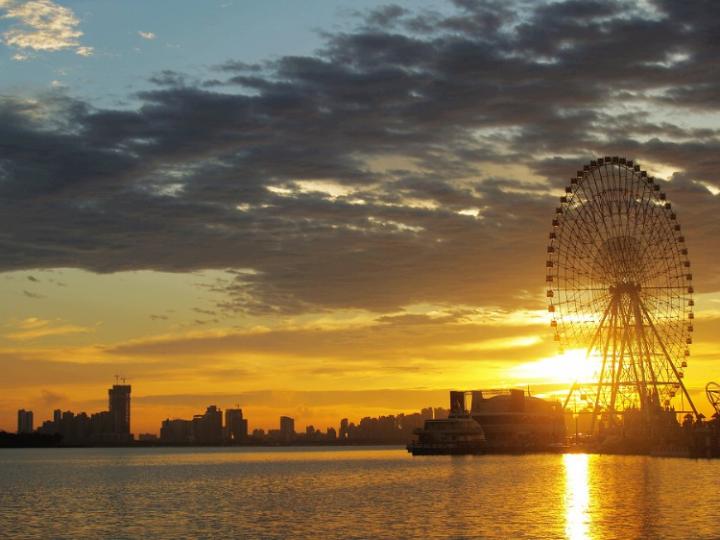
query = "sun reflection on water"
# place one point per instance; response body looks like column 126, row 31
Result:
column 577, row 496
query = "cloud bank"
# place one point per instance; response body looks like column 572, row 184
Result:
column 414, row 159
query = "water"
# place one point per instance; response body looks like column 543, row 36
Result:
column 350, row 493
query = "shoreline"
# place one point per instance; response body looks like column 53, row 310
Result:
column 398, row 446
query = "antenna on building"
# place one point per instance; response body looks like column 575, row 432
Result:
column 117, row 378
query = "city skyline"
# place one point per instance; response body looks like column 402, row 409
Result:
column 113, row 426
column 329, row 212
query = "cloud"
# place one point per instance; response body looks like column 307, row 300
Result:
column 146, row 35
column 409, row 341
column 34, row 328
column 52, row 399
column 42, row 26
column 415, row 158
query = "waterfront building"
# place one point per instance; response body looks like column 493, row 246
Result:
column 104, row 427
column 343, row 433
column 207, row 428
column 287, row 428
column 176, row 431
column 512, row 419
column 24, row 421
column 119, row 408
column 236, row 427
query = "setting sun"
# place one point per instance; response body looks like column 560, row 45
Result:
column 571, row 366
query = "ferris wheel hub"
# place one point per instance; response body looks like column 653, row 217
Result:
column 629, row 288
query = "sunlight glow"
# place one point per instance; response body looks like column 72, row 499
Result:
column 568, row 367
column 577, row 496
column 499, row 344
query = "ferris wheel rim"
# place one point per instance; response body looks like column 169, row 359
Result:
column 609, row 244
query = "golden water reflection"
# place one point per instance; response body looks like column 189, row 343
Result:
column 577, row 496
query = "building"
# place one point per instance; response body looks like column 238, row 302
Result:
column 205, row 428
column 176, row 431
column 104, row 427
column 236, row 427
column 514, row 420
column 119, row 406
column 343, row 433
column 24, row 421
column 287, row 428
column 208, row 428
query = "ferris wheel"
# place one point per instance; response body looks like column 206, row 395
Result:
column 712, row 391
column 619, row 286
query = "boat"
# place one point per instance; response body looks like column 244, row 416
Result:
column 455, row 435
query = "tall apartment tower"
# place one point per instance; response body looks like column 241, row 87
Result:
column 25, row 421
column 236, row 427
column 119, row 400
column 287, row 428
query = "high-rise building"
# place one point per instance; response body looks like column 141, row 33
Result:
column 236, row 427
column 119, row 404
column 343, row 434
column 176, row 431
column 287, row 428
column 207, row 428
column 24, row 421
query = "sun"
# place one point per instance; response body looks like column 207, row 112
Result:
column 566, row 368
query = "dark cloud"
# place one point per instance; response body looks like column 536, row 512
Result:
column 52, row 399
column 390, row 168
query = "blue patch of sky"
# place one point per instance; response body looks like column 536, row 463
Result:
column 191, row 36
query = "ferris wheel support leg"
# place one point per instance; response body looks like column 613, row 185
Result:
column 636, row 359
column 613, row 325
column 616, row 374
column 570, row 393
column 669, row 360
column 589, row 350
column 646, row 353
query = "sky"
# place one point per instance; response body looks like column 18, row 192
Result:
column 324, row 209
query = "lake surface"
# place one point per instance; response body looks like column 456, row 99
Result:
column 351, row 493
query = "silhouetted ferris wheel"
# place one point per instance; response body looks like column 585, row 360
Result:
column 619, row 286
column 712, row 391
